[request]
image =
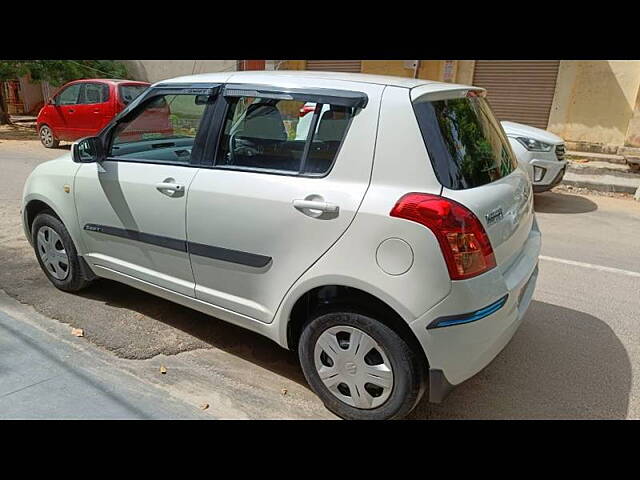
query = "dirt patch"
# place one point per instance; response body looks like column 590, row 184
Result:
column 17, row 132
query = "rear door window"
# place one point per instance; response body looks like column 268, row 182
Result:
column 264, row 134
column 94, row 93
column 464, row 140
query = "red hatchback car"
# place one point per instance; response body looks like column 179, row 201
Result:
column 83, row 107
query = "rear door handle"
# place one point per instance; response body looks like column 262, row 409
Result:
column 316, row 205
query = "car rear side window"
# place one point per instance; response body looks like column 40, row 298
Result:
column 464, row 140
column 129, row 92
column 94, row 93
column 267, row 134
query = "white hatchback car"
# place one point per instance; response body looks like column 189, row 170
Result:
column 394, row 247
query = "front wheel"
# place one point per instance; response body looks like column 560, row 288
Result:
column 360, row 368
column 57, row 254
column 47, row 138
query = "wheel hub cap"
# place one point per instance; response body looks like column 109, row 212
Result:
column 52, row 253
column 353, row 366
column 46, row 135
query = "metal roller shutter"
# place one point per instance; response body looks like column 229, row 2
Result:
column 520, row 91
column 335, row 65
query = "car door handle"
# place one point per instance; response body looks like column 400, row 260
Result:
column 71, row 110
column 316, row 205
column 173, row 189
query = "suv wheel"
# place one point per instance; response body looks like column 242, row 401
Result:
column 47, row 138
column 56, row 253
column 359, row 367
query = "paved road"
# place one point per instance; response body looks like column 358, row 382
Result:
column 574, row 356
column 46, row 375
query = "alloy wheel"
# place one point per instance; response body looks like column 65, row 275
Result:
column 46, row 136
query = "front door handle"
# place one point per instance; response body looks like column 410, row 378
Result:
column 170, row 188
column 325, row 207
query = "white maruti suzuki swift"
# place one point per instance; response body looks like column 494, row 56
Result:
column 393, row 245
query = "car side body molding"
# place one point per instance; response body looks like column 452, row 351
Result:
column 210, row 251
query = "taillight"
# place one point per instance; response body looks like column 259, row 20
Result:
column 306, row 109
column 464, row 243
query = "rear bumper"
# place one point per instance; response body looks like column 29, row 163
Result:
column 458, row 352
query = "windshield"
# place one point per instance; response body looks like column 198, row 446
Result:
column 465, row 143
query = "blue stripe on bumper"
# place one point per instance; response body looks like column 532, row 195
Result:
column 468, row 317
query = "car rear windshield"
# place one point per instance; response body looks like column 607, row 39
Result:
column 464, row 140
column 130, row 92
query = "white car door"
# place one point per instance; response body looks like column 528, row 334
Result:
column 271, row 204
column 131, row 206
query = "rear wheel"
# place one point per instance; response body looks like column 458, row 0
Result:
column 57, row 254
column 47, row 138
column 360, row 368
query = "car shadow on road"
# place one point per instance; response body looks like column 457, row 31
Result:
column 555, row 202
column 561, row 364
column 208, row 330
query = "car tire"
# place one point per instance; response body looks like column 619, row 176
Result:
column 56, row 254
column 47, row 137
column 389, row 352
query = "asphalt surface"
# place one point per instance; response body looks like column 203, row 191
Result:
column 573, row 357
column 44, row 377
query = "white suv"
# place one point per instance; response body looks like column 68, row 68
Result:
column 540, row 152
column 394, row 246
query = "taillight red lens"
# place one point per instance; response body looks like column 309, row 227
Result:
column 306, row 109
column 464, row 243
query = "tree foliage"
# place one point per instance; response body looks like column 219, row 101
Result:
column 59, row 72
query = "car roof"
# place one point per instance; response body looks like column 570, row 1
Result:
column 301, row 76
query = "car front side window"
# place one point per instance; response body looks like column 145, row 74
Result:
column 163, row 131
column 70, row 95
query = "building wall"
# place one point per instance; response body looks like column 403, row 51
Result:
column 596, row 105
column 156, row 70
column 594, row 102
column 31, row 94
column 633, row 132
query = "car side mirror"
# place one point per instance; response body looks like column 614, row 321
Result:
column 87, row 150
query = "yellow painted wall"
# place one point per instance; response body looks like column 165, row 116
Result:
column 594, row 101
column 386, row 67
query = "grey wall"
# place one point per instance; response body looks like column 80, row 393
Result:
column 156, row 70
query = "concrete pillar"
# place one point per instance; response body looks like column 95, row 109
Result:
column 632, row 138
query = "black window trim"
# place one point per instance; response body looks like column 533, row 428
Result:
column 222, row 106
column 144, row 98
column 342, row 98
